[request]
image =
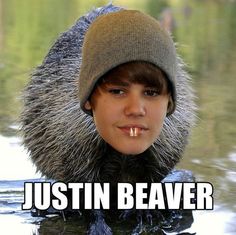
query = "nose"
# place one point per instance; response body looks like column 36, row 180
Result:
column 135, row 106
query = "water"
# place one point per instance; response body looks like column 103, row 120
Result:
column 12, row 218
column 206, row 36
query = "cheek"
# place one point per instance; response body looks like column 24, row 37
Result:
column 103, row 118
column 160, row 109
column 104, row 110
column 105, row 126
column 157, row 116
column 99, row 118
column 164, row 107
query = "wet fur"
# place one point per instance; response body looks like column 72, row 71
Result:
column 62, row 140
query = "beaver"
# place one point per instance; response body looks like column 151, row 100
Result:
column 62, row 139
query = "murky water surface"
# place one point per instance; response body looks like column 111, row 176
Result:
column 206, row 36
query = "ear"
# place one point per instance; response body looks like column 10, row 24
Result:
column 170, row 106
column 87, row 105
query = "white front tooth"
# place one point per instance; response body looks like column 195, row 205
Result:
column 131, row 132
column 135, row 131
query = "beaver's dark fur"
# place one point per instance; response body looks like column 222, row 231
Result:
column 62, row 140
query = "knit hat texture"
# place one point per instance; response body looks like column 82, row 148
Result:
column 120, row 37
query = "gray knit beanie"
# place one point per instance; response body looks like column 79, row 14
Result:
column 120, row 37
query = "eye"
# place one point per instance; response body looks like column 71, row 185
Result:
column 151, row 92
column 116, row 91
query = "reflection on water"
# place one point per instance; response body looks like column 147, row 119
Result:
column 218, row 222
column 14, row 161
column 12, row 218
column 206, row 36
column 19, row 225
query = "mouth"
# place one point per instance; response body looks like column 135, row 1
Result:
column 133, row 130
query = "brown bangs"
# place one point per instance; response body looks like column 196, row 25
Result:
column 139, row 73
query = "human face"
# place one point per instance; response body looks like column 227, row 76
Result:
column 117, row 108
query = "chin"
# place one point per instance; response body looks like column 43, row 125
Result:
column 131, row 151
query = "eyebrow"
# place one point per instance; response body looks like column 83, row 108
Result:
column 117, row 82
column 127, row 84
